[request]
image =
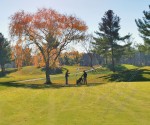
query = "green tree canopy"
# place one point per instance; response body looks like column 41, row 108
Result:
column 5, row 52
column 144, row 26
column 107, row 42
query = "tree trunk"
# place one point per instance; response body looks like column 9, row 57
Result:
column 2, row 69
column 113, row 63
column 91, row 58
column 140, row 59
column 106, row 61
column 48, row 80
column 91, row 62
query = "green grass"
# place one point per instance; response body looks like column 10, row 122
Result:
column 74, row 69
column 31, row 72
column 102, row 102
column 95, row 104
column 128, row 66
column 126, row 73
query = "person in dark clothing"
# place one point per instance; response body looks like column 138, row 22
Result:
column 79, row 81
column 84, row 77
column 66, row 76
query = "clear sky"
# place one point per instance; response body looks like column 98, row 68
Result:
column 91, row 11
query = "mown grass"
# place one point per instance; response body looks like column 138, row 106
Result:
column 31, row 72
column 95, row 104
column 102, row 102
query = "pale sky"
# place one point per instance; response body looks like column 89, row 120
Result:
column 91, row 11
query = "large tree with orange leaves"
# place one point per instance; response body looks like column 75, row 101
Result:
column 48, row 30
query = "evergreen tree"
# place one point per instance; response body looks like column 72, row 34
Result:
column 144, row 52
column 144, row 26
column 129, row 51
column 108, row 37
column 5, row 52
column 102, row 48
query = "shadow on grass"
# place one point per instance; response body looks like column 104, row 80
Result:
column 7, row 72
column 11, row 71
column 53, row 71
column 129, row 76
column 44, row 86
column 118, row 68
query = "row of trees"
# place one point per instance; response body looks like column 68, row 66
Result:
column 48, row 33
column 70, row 58
column 26, row 57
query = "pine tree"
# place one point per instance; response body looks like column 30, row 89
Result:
column 102, row 48
column 144, row 26
column 108, row 37
column 5, row 52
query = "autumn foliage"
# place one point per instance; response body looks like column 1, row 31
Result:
column 17, row 56
column 38, row 61
column 70, row 58
column 21, row 56
column 49, row 30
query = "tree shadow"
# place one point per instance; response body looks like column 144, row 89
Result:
column 11, row 71
column 2, row 74
column 7, row 72
column 118, row 68
column 53, row 71
column 129, row 75
column 44, row 86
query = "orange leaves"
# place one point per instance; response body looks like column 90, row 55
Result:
column 17, row 55
column 49, row 30
column 44, row 21
column 21, row 56
column 38, row 60
column 76, row 23
column 46, row 18
column 19, row 22
column 27, row 58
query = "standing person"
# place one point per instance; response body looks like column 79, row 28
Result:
column 84, row 77
column 66, row 76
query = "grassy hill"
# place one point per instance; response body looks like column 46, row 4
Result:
column 104, row 101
